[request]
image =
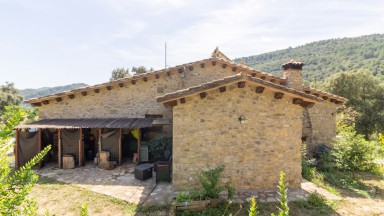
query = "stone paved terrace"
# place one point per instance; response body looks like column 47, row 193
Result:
column 121, row 183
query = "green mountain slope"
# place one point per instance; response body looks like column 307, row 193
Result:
column 324, row 58
column 33, row 93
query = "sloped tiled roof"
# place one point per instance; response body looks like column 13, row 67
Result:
column 235, row 79
column 217, row 57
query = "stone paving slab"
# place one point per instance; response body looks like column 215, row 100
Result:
column 121, row 183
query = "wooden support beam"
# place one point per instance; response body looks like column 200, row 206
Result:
column 58, row 99
column 45, row 102
column 272, row 80
column 253, row 74
column 98, row 144
column 339, row 102
column 325, row 97
column 121, row 85
column 202, row 65
column 190, row 68
column 133, row 82
column 39, row 144
column 84, row 93
column 279, row 95
column 224, row 65
column 59, row 147
column 182, row 100
column 308, row 92
column 96, row 90
column 171, row 103
column 283, row 83
column 81, row 148
column 16, row 150
column 168, row 73
column 333, row 100
column 71, row 96
column 307, row 104
column 316, row 94
column 157, row 76
column 213, row 63
column 241, row 84
column 120, row 147
column 297, row 101
column 36, row 104
column 145, row 79
column 259, row 89
column 138, row 144
column 109, row 87
column 203, row 95
column 263, row 77
column 222, row 89
column 234, row 69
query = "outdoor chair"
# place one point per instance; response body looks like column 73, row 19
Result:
column 164, row 170
column 164, row 158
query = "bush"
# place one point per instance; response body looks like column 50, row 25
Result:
column 158, row 145
column 211, row 187
column 352, row 152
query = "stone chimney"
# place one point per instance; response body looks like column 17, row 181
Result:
column 293, row 74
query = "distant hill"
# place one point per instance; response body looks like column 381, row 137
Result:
column 324, row 58
column 33, row 93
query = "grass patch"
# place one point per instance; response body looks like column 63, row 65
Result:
column 316, row 205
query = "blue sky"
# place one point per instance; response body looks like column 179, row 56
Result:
column 50, row 43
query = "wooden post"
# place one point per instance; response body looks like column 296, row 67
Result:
column 59, row 146
column 120, row 147
column 99, row 141
column 138, row 143
column 81, row 148
column 39, row 144
column 17, row 165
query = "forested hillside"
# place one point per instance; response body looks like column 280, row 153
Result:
column 324, row 58
column 32, row 93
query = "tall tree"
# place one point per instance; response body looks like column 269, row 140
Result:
column 9, row 95
column 119, row 73
column 366, row 95
column 141, row 69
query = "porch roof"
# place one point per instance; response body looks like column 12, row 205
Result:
column 92, row 123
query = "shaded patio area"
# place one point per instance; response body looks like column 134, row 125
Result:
column 119, row 183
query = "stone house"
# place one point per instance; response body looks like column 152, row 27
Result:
column 218, row 111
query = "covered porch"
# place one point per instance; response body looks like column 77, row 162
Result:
column 84, row 139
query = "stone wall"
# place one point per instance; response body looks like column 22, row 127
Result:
column 131, row 100
column 209, row 132
column 322, row 118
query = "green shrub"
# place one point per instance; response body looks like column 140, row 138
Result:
column 211, row 185
column 158, row 145
column 351, row 151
